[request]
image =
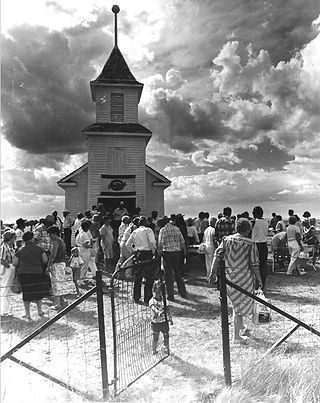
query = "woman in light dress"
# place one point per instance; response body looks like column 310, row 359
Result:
column 106, row 238
column 241, row 259
column 209, row 243
column 57, row 269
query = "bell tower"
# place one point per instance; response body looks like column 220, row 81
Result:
column 116, row 141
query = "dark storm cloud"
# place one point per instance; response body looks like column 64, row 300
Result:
column 198, row 29
column 263, row 155
column 181, row 125
column 45, row 86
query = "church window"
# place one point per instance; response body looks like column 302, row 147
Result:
column 117, row 107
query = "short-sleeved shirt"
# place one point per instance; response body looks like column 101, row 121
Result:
column 292, row 230
column 30, row 258
column 7, row 252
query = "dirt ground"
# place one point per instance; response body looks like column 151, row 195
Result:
column 69, row 349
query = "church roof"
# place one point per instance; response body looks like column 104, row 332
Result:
column 160, row 179
column 116, row 127
column 116, row 70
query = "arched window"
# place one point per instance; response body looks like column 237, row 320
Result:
column 117, row 107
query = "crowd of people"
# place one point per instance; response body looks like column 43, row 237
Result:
column 42, row 252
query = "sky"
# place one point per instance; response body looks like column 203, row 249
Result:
column 231, row 95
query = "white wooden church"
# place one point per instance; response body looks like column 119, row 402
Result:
column 116, row 169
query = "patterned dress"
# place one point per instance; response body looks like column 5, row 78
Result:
column 241, row 256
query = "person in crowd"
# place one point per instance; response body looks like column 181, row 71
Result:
column 181, row 224
column 279, row 243
column 310, row 238
column 294, row 245
column 142, row 242
column 170, row 246
column 118, row 213
column 290, row 212
column 29, row 262
column 299, row 224
column 151, row 224
column 57, row 220
column 137, row 211
column 125, row 221
column 125, row 253
column 57, row 268
column 154, row 216
column 259, row 236
column 273, row 221
column 201, row 224
column 94, row 229
column 7, row 272
column 67, row 230
column 106, row 239
column 20, row 228
column 241, row 259
column 84, row 242
column 192, row 233
column 209, row 243
column 76, row 263
column 313, row 222
column 87, row 215
column 306, row 221
column 280, row 226
column 94, row 210
column 102, row 211
column 160, row 318
column 41, row 236
column 77, row 224
column 220, row 215
column 224, row 226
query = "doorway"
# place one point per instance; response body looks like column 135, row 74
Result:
column 112, row 203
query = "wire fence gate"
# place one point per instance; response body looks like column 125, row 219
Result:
column 131, row 324
column 101, row 340
column 278, row 341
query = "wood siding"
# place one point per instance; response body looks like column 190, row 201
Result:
column 154, row 196
column 76, row 196
column 107, row 155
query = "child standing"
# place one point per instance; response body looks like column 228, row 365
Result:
column 160, row 318
column 76, row 263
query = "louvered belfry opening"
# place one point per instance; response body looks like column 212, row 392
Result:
column 116, row 107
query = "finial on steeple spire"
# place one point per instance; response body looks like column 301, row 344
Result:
column 115, row 10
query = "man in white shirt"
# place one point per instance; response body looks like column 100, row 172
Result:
column 142, row 242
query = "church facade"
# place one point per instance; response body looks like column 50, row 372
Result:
column 116, row 169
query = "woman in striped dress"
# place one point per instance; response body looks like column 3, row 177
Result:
column 242, row 268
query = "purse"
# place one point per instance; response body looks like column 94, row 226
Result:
column 261, row 313
column 16, row 286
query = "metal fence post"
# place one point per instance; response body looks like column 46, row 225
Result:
column 102, row 337
column 225, row 324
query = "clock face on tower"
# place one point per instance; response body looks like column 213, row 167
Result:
column 117, row 185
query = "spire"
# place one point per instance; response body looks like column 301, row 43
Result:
column 115, row 10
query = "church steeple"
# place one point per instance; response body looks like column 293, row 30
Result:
column 115, row 71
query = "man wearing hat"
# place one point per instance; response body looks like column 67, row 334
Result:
column 67, row 231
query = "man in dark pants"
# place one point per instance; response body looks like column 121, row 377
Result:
column 171, row 243
column 142, row 242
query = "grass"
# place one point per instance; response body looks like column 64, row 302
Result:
column 194, row 370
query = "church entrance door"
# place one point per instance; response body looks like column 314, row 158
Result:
column 112, row 203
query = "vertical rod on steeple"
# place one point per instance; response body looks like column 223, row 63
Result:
column 115, row 10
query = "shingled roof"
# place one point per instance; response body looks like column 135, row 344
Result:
column 116, row 70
